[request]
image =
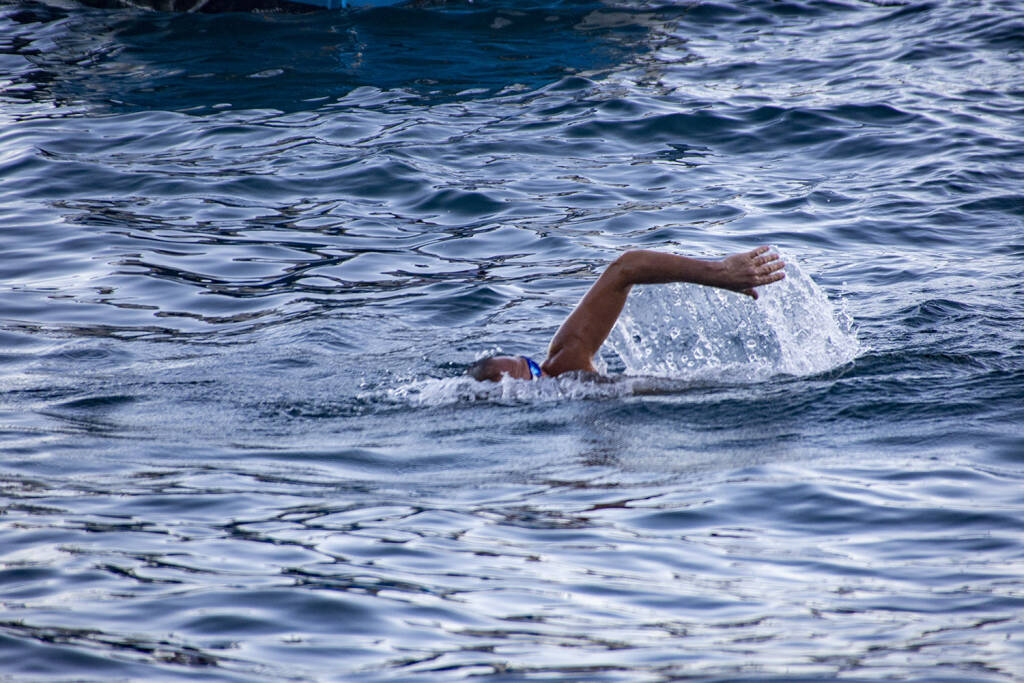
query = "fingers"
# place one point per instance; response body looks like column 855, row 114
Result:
column 768, row 268
column 763, row 268
column 760, row 260
column 757, row 256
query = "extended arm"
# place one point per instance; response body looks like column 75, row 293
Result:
column 581, row 335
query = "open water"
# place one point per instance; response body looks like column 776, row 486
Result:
column 247, row 256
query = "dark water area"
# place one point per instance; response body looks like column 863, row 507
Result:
column 248, row 256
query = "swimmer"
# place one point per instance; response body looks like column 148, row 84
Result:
column 578, row 339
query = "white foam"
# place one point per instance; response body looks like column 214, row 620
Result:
column 464, row 389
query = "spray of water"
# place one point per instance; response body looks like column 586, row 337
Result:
column 685, row 331
column 689, row 333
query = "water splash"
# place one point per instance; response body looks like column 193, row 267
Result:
column 670, row 336
column 449, row 390
column 685, row 331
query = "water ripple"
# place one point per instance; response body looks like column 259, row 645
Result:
column 248, row 257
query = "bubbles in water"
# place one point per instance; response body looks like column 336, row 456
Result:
column 686, row 331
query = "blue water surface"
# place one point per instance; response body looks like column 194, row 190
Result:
column 247, row 257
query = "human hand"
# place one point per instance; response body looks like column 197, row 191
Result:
column 742, row 272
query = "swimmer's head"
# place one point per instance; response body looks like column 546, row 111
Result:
column 492, row 368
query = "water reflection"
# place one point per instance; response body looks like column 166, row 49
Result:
column 129, row 59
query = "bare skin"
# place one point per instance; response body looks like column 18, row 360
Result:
column 581, row 335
